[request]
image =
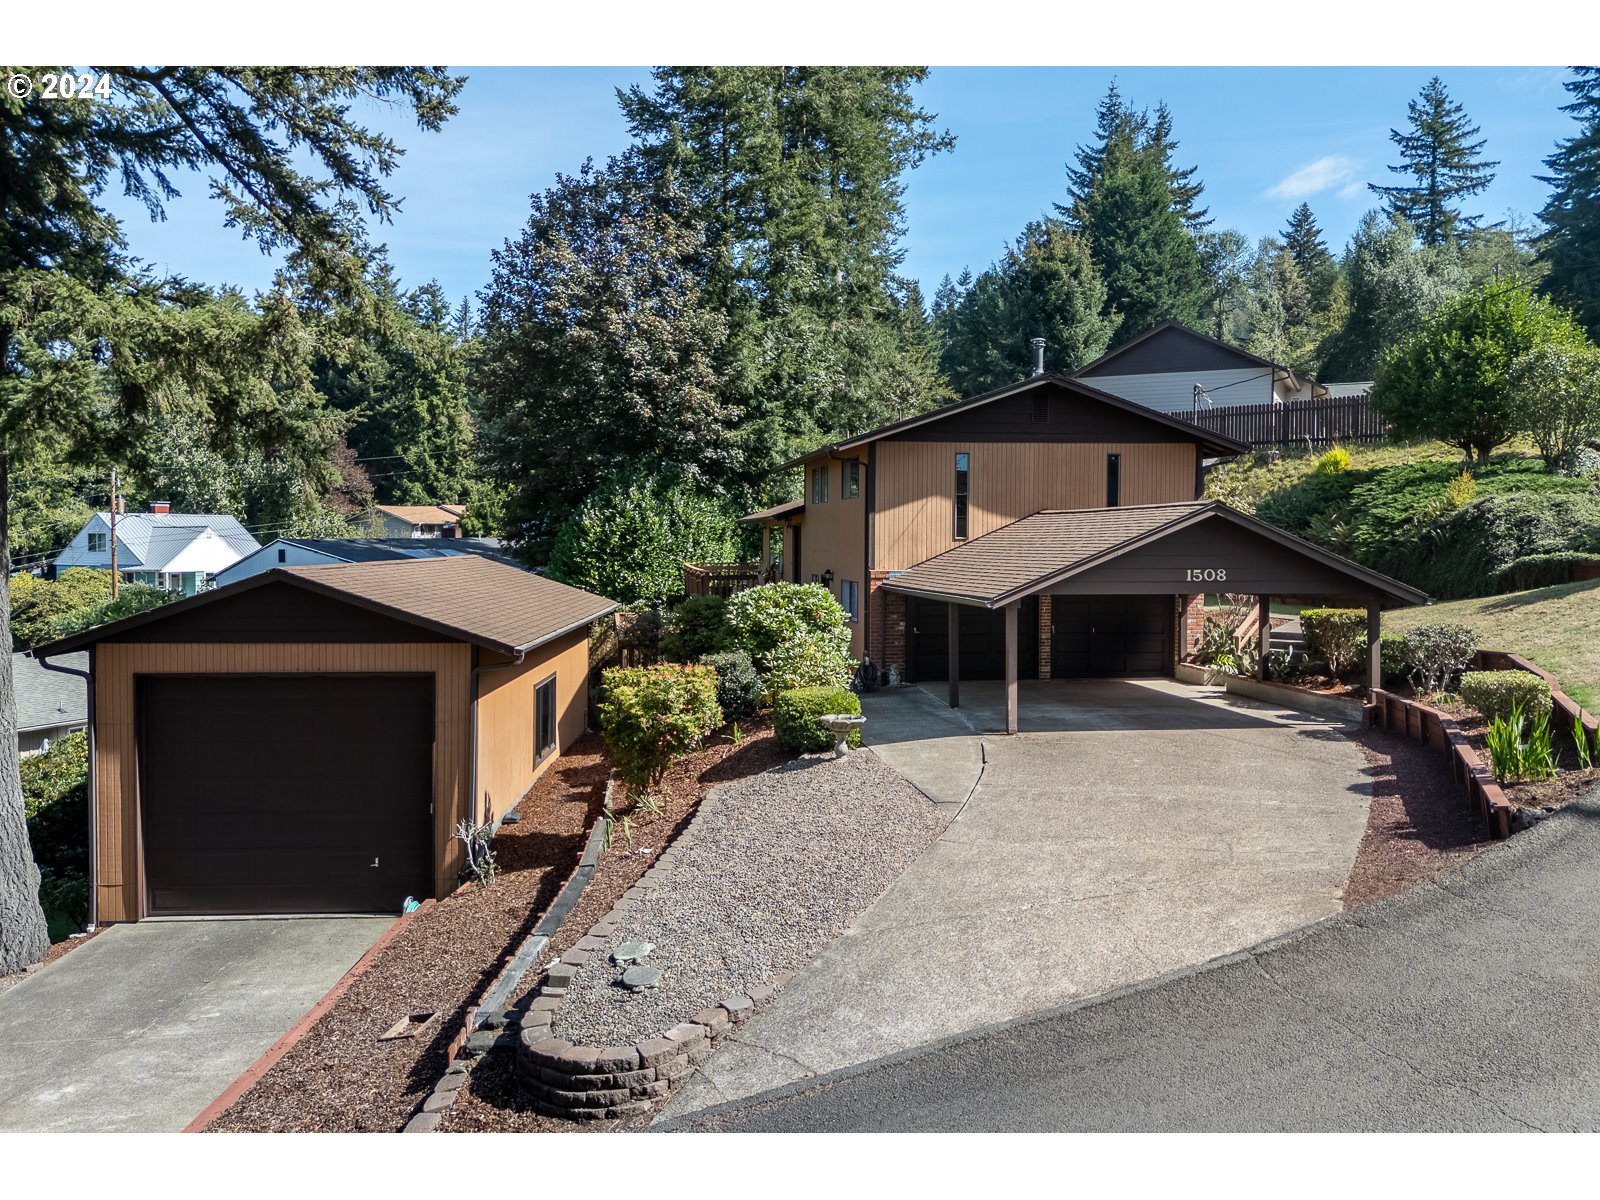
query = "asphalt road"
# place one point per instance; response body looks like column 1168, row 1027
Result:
column 1468, row 1003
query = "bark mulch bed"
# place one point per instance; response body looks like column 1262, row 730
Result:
column 1420, row 822
column 1538, row 795
column 492, row 1101
column 57, row 949
column 339, row 1077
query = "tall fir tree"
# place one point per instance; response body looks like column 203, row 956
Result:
column 1303, row 240
column 1440, row 155
column 1046, row 285
column 1121, row 134
column 1570, row 246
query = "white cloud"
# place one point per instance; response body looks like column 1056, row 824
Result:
column 1332, row 171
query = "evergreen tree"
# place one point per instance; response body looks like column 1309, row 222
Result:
column 1571, row 244
column 94, row 350
column 1442, row 158
column 1121, row 135
column 1282, row 313
column 1046, row 285
column 1148, row 259
column 1303, row 240
column 1224, row 257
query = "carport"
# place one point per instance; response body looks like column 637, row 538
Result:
column 1104, row 566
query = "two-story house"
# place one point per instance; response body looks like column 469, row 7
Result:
column 176, row 552
column 1043, row 530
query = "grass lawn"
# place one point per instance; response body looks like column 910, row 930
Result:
column 1556, row 627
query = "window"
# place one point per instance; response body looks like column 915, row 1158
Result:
column 850, row 598
column 850, row 480
column 544, row 720
column 819, row 485
column 97, row 543
column 963, row 461
column 283, row 555
column 1113, row 480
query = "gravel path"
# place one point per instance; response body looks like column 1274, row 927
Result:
column 775, row 867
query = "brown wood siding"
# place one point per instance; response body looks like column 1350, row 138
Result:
column 119, row 876
column 835, row 537
column 1010, row 480
column 506, row 768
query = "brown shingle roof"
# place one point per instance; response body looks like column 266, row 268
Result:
column 1028, row 554
column 776, row 512
column 471, row 598
column 423, row 514
column 477, row 599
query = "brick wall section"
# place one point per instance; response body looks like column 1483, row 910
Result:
column 1044, row 637
column 1191, row 622
column 888, row 643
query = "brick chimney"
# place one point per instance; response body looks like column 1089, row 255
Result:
column 160, row 506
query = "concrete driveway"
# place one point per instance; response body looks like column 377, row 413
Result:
column 1130, row 829
column 146, row 1024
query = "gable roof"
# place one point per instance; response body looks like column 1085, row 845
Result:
column 423, row 514
column 155, row 539
column 467, row 597
column 49, row 699
column 385, row 549
column 1178, row 327
column 1208, row 439
column 1038, row 551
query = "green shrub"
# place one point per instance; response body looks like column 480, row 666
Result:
column 1438, row 654
column 65, row 900
column 631, row 536
column 1335, row 635
column 652, row 716
column 1332, row 462
column 699, row 627
column 796, row 712
column 796, row 634
column 1496, row 693
column 1543, row 570
column 1460, row 491
column 55, row 798
column 738, row 684
column 1517, row 757
column 132, row 598
column 1394, row 659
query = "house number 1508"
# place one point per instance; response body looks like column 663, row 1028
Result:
column 1207, row 575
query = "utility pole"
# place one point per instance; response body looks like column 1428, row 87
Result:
column 115, row 578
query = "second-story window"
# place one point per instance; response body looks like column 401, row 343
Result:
column 850, row 480
column 1113, row 480
column 97, row 543
column 819, row 485
column 963, row 470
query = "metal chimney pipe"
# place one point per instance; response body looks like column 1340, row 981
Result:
column 1038, row 356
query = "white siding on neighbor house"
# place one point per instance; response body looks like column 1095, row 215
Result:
column 77, row 552
column 1173, row 391
column 266, row 558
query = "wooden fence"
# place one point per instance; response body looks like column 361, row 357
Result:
column 1320, row 422
column 724, row 579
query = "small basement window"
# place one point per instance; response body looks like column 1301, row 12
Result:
column 544, row 720
column 963, row 465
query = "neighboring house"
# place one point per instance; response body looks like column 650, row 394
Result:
column 50, row 704
column 1045, row 529
column 309, row 739
column 421, row 520
column 175, row 552
column 310, row 552
column 1175, row 369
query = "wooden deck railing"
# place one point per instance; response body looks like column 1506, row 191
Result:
column 724, row 579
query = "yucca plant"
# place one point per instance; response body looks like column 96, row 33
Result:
column 1538, row 752
column 1504, row 740
column 1580, row 737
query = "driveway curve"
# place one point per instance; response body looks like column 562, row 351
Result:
column 1131, row 829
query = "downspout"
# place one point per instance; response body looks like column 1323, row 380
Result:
column 94, row 823
column 477, row 670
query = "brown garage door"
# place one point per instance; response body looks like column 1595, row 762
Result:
column 286, row 794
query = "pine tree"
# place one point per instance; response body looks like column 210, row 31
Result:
column 1160, row 144
column 1303, row 240
column 1121, row 135
column 1571, row 244
column 1441, row 156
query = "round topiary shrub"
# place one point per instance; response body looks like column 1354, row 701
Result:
column 738, row 685
column 1496, row 693
column 796, row 712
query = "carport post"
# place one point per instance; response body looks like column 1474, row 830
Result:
column 955, row 655
column 1011, row 665
column 1263, row 635
column 1374, row 645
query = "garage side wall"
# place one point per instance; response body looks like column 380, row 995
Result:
column 119, row 877
column 506, row 769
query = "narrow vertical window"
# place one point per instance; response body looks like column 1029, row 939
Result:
column 544, row 720
column 1113, row 480
column 962, row 470
column 819, row 485
column 850, row 598
column 850, row 480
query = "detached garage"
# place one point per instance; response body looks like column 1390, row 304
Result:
column 306, row 740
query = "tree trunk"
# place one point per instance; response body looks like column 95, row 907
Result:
column 24, row 937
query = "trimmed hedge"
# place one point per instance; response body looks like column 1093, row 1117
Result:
column 1543, row 570
column 651, row 716
column 1395, row 658
column 1496, row 693
column 1335, row 635
column 796, row 717
column 738, row 685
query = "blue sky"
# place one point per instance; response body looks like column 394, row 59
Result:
column 1263, row 138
